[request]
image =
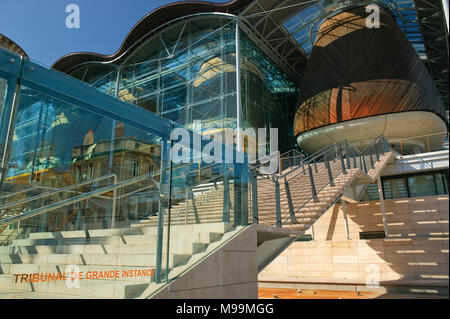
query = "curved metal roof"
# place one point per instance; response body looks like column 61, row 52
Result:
column 11, row 45
column 142, row 30
column 286, row 29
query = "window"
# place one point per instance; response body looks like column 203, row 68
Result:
column 395, row 188
column 421, row 185
column 305, row 237
column 372, row 235
column 135, row 169
column 3, row 87
column 78, row 175
column 441, row 183
column 416, row 185
column 91, row 171
column 372, row 192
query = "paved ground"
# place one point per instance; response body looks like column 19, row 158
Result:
column 264, row 293
column 284, row 293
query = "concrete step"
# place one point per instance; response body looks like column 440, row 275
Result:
column 20, row 294
column 89, row 233
column 218, row 227
column 87, row 288
column 181, row 246
column 143, row 260
column 145, row 237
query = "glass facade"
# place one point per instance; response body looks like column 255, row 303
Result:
column 412, row 185
column 77, row 158
column 3, row 87
column 57, row 144
column 187, row 73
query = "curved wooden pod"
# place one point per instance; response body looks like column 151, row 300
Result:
column 356, row 72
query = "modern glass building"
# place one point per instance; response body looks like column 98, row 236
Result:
column 89, row 143
column 213, row 67
column 188, row 72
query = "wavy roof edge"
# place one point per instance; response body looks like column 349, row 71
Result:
column 148, row 23
column 9, row 44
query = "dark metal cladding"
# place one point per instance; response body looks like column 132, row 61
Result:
column 11, row 45
column 143, row 29
column 356, row 72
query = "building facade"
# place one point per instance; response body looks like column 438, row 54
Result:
column 88, row 143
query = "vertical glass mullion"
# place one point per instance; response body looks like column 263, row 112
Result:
column 7, row 122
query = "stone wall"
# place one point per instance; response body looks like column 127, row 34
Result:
column 417, row 248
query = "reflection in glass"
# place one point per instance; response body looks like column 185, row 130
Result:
column 3, row 88
column 421, row 185
column 57, row 145
column 395, row 188
column 441, row 183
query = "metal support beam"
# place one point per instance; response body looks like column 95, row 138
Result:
column 254, row 181
column 289, row 198
column 383, row 209
column 344, row 170
column 313, row 187
column 161, row 209
column 114, row 204
column 187, row 206
column 330, row 174
column 226, row 198
column 344, row 212
column 278, row 204
column 239, row 141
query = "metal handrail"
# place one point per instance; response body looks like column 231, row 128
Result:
column 266, row 157
column 365, row 149
column 291, row 151
column 59, row 190
column 20, row 192
column 316, row 155
column 418, row 136
column 286, row 211
column 48, row 208
column 380, row 138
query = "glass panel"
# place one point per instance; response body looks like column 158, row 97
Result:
column 58, row 145
column 266, row 93
column 195, row 82
column 101, row 76
column 395, row 188
column 3, row 88
column 207, row 198
column 372, row 192
column 421, row 185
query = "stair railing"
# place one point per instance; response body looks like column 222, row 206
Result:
column 315, row 172
column 56, row 191
column 45, row 209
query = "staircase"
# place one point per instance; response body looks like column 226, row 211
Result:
column 204, row 206
column 283, row 206
column 292, row 196
column 120, row 251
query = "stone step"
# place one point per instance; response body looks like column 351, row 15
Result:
column 88, row 288
column 87, row 233
column 133, row 236
column 177, row 246
column 218, row 227
column 143, row 260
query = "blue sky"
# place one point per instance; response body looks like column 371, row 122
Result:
column 39, row 26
